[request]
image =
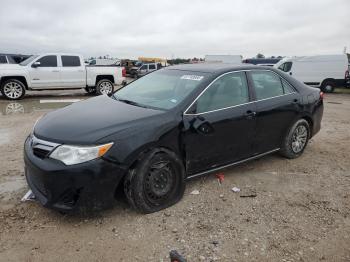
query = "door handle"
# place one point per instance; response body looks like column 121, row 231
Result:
column 250, row 114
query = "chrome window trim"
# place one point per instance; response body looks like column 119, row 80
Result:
column 246, row 70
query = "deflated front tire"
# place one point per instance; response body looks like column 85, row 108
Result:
column 156, row 182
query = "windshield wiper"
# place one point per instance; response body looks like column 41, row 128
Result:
column 131, row 102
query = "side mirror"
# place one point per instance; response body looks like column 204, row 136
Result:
column 36, row 64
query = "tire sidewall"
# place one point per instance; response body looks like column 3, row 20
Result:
column 287, row 150
column 139, row 199
column 98, row 90
column 17, row 82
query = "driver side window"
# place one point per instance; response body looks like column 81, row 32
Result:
column 227, row 91
column 48, row 61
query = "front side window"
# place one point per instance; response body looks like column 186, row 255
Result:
column 48, row 61
column 227, row 91
column 267, row 84
column 286, row 67
column 68, row 61
column 162, row 89
column 3, row 59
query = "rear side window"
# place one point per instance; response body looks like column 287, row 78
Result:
column 152, row 67
column 287, row 87
column 48, row 61
column 70, row 60
column 3, row 59
column 266, row 84
column 227, row 91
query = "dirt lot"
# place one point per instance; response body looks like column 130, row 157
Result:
column 301, row 211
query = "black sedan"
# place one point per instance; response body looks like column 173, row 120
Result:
column 171, row 125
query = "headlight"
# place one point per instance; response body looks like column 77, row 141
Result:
column 71, row 155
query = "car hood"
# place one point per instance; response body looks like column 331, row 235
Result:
column 90, row 120
column 10, row 66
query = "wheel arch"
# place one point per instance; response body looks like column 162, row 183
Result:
column 102, row 77
column 22, row 79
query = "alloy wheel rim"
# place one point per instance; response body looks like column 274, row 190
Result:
column 106, row 88
column 299, row 139
column 13, row 90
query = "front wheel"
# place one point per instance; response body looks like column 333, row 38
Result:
column 296, row 139
column 104, row 87
column 13, row 89
column 157, row 181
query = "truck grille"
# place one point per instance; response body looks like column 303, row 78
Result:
column 42, row 148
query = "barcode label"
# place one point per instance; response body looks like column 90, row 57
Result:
column 192, row 77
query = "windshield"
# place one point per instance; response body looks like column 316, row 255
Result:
column 28, row 60
column 163, row 89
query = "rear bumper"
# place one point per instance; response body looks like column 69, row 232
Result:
column 90, row 185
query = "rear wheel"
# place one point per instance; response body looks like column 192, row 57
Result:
column 13, row 89
column 157, row 182
column 328, row 86
column 296, row 139
column 104, row 87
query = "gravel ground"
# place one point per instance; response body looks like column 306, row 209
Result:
column 296, row 210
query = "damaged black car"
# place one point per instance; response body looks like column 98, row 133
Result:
column 171, row 125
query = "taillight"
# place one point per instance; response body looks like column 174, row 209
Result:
column 347, row 74
column 123, row 72
column 321, row 95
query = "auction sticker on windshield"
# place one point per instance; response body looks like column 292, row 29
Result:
column 192, row 77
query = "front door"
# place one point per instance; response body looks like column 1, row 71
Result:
column 220, row 125
column 47, row 74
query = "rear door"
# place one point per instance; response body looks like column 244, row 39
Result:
column 47, row 74
column 220, row 124
column 72, row 71
column 277, row 108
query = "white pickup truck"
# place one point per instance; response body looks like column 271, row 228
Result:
column 57, row 71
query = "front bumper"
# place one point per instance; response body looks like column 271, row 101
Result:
column 85, row 186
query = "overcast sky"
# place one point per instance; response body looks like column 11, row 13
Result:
column 177, row 28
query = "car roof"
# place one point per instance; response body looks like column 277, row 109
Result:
column 214, row 67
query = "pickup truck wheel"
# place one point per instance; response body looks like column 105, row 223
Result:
column 13, row 89
column 104, row 87
column 157, row 181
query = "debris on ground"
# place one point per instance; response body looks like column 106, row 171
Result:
column 235, row 189
column 29, row 196
column 176, row 257
column 248, row 193
column 195, row 192
column 220, row 177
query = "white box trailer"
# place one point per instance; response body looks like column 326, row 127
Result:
column 323, row 71
column 228, row 59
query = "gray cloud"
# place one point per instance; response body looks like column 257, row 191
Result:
column 180, row 28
